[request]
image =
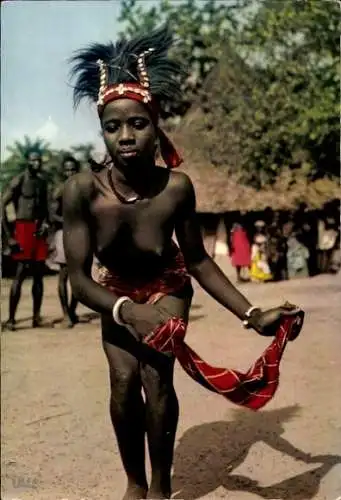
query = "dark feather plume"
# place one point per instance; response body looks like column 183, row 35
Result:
column 121, row 61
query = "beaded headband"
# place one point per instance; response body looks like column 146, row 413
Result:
column 106, row 92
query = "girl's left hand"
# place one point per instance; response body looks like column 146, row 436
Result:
column 266, row 323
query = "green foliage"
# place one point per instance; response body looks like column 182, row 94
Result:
column 83, row 152
column 281, row 107
column 263, row 86
column 293, row 48
column 273, row 98
column 52, row 160
column 16, row 162
column 202, row 29
column 19, row 149
column 9, row 169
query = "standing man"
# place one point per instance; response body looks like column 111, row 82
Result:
column 70, row 166
column 28, row 193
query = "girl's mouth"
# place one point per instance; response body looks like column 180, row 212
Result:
column 128, row 153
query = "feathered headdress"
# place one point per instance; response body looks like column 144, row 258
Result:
column 137, row 69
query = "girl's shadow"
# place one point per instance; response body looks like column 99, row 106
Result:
column 207, row 455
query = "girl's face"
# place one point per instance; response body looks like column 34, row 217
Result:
column 129, row 134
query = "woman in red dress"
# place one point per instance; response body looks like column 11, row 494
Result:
column 240, row 251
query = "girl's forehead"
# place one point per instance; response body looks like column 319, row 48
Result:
column 124, row 108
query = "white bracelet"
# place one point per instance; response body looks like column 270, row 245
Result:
column 248, row 315
column 249, row 311
column 116, row 309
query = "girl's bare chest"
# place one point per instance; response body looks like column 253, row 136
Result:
column 142, row 224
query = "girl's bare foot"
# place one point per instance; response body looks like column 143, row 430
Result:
column 158, row 495
column 66, row 323
column 135, row 492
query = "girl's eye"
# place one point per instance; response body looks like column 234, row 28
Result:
column 111, row 128
column 140, row 124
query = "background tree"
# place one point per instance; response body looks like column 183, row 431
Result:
column 202, row 28
column 83, row 152
column 265, row 77
column 20, row 148
column 263, row 91
column 52, row 160
column 16, row 162
column 293, row 48
column 272, row 100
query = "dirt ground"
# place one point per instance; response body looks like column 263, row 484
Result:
column 58, row 444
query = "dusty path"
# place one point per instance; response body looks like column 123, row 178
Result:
column 57, row 441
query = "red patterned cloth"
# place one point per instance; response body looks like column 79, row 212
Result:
column 253, row 389
column 174, row 278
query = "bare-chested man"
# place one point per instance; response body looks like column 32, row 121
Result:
column 70, row 166
column 126, row 215
column 28, row 193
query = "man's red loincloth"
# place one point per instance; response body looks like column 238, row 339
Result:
column 253, row 389
column 32, row 247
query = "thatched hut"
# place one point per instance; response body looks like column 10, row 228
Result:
column 208, row 139
column 221, row 195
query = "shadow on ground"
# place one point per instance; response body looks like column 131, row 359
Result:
column 83, row 318
column 50, row 323
column 210, row 452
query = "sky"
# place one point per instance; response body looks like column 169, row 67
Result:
column 37, row 38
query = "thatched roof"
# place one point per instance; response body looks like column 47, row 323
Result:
column 292, row 188
column 210, row 146
column 212, row 129
column 218, row 190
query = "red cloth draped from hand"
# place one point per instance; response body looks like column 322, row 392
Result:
column 253, row 389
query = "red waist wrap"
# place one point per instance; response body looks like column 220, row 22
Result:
column 173, row 279
column 253, row 389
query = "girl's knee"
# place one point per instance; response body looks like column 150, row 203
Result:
column 123, row 379
column 125, row 389
column 123, row 372
column 158, row 385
